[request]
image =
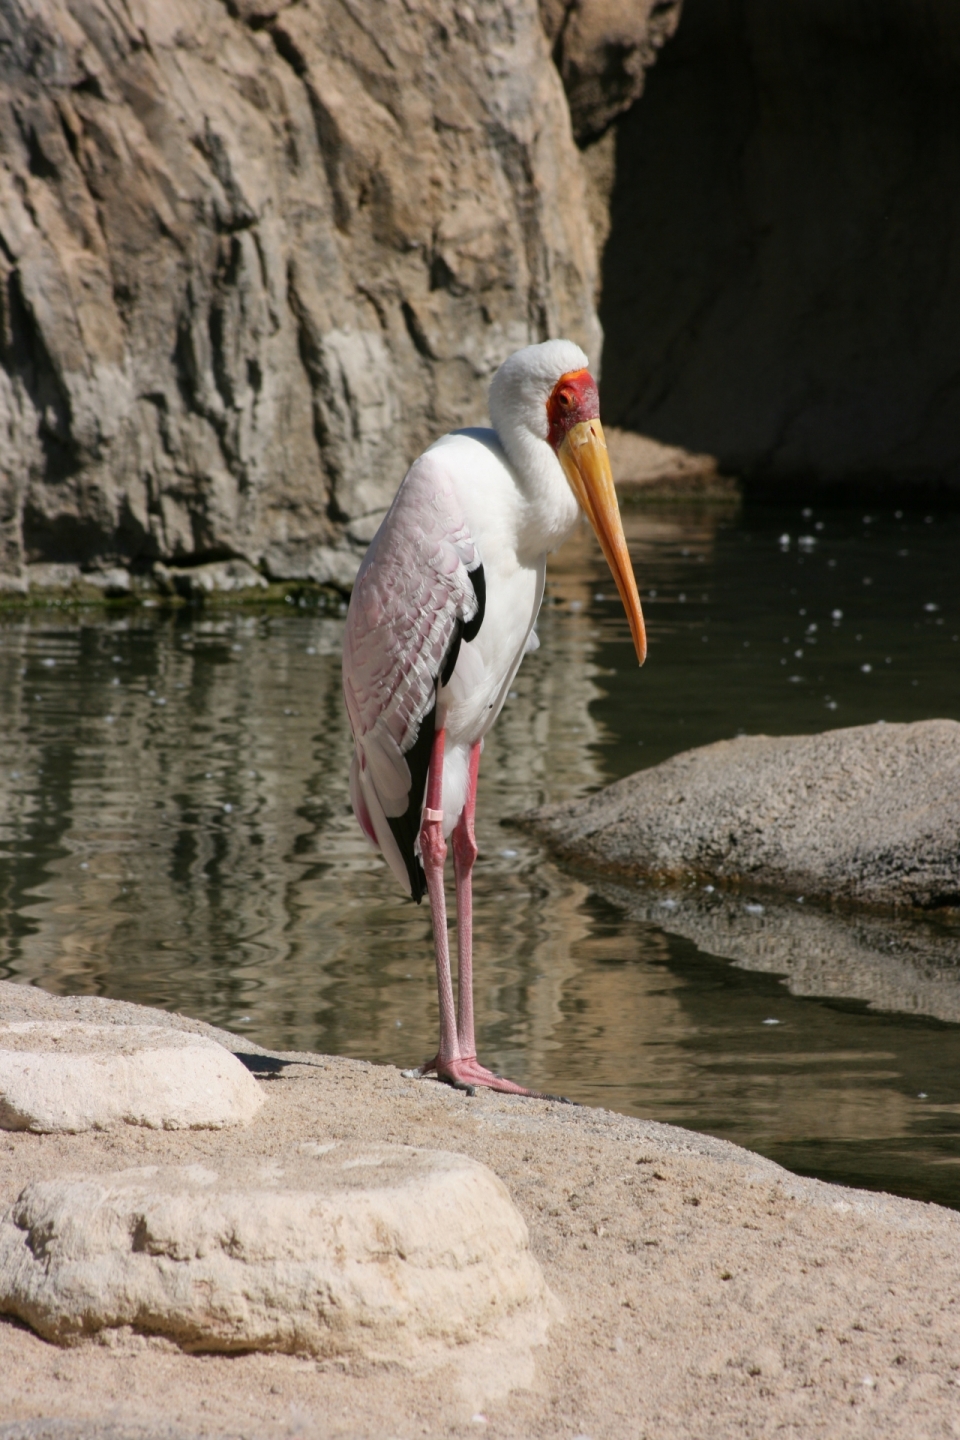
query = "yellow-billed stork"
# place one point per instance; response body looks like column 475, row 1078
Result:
column 441, row 615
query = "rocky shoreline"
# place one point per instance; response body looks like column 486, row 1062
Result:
column 692, row 1285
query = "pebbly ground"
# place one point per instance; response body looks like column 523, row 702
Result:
column 705, row 1292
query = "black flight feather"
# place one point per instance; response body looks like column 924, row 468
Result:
column 406, row 827
column 472, row 628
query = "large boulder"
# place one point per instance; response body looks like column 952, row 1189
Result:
column 869, row 814
column 254, row 255
column 330, row 1249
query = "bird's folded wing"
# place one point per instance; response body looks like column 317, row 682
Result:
column 413, row 598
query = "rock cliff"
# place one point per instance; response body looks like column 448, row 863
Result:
column 253, row 254
column 602, row 49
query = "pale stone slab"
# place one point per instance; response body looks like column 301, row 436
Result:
column 331, row 1249
column 57, row 1076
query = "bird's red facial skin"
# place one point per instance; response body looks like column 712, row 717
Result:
column 575, row 397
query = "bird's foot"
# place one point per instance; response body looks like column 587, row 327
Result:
column 467, row 1074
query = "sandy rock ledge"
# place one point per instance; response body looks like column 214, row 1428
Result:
column 704, row 1290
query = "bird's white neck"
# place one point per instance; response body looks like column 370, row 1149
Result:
column 548, row 508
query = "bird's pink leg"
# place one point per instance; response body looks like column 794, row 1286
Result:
column 464, row 855
column 467, row 1070
column 456, row 1061
column 433, row 853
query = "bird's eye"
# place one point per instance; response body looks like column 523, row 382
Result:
column 565, row 398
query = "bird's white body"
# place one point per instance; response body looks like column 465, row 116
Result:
column 465, row 502
column 441, row 616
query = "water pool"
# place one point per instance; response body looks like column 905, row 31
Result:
column 175, row 830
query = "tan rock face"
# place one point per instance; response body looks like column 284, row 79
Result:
column 642, row 466
column 254, row 257
column 72, row 1077
column 602, row 49
column 330, row 1249
column 870, row 814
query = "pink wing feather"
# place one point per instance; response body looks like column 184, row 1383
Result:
column 412, row 590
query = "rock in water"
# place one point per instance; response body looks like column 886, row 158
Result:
column 58, row 1076
column 331, row 1249
column 869, row 814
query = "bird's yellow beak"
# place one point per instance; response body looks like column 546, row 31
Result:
column 586, row 464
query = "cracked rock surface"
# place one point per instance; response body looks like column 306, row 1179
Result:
column 332, row 1248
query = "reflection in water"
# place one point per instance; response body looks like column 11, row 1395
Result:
column 888, row 961
column 176, row 830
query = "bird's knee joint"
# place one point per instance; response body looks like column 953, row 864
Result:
column 464, row 846
column 433, row 847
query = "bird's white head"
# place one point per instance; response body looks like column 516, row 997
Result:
column 545, row 408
